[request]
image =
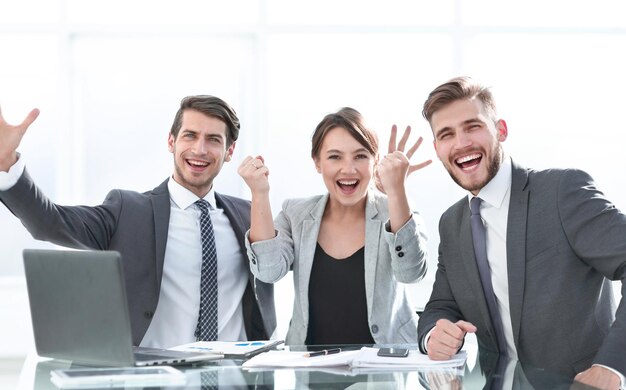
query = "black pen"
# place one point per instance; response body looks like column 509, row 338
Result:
column 322, row 352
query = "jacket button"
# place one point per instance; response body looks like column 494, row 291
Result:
column 148, row 314
column 398, row 248
column 374, row 328
column 253, row 261
column 400, row 254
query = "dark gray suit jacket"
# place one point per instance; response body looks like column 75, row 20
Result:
column 565, row 240
column 136, row 225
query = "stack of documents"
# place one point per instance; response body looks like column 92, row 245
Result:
column 368, row 358
column 363, row 358
column 283, row 359
column 230, row 349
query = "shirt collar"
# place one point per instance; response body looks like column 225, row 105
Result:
column 184, row 198
column 495, row 191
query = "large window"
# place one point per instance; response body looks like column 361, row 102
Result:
column 108, row 76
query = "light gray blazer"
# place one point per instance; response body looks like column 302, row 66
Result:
column 564, row 242
column 389, row 261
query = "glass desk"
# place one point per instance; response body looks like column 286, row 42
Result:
column 481, row 371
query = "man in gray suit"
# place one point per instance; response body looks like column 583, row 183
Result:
column 551, row 243
column 158, row 232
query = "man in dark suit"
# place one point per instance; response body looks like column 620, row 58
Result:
column 158, row 232
column 527, row 265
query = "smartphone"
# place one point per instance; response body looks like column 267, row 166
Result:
column 116, row 377
column 393, row 352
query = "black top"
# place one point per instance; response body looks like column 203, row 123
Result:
column 337, row 304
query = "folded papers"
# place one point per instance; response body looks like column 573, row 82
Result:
column 366, row 357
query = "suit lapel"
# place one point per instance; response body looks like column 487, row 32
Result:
column 161, row 209
column 372, row 242
column 239, row 223
column 234, row 216
column 308, row 244
column 515, row 245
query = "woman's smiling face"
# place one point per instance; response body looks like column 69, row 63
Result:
column 346, row 166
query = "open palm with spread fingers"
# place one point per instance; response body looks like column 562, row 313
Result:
column 395, row 167
column 10, row 138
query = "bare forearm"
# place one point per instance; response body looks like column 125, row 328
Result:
column 399, row 210
column 261, row 222
column 7, row 160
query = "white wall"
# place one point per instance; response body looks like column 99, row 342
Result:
column 108, row 76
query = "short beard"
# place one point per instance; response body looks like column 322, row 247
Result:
column 492, row 171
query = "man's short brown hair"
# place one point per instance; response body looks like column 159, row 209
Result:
column 459, row 88
column 211, row 106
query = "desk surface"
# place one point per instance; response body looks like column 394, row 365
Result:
column 480, row 371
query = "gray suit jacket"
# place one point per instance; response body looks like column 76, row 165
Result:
column 565, row 240
column 389, row 259
column 136, row 225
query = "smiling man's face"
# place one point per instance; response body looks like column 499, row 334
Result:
column 200, row 149
column 467, row 142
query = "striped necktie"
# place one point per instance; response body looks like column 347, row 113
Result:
column 207, row 319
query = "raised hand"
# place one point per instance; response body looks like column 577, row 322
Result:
column 10, row 138
column 255, row 174
column 395, row 167
column 391, row 173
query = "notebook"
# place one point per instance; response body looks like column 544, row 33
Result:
column 80, row 313
column 232, row 349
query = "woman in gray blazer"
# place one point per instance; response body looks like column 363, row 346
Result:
column 351, row 249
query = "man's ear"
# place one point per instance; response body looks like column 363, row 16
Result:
column 170, row 143
column 502, row 130
column 229, row 152
column 436, row 152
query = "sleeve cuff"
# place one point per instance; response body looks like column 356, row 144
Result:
column 8, row 179
column 404, row 233
column 425, row 340
column 261, row 248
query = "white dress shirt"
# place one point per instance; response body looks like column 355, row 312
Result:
column 494, row 211
column 176, row 315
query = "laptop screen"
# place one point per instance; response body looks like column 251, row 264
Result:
column 78, row 306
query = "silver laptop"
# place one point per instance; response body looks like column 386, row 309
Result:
column 80, row 313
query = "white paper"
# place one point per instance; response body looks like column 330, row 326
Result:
column 359, row 359
column 297, row 359
column 368, row 358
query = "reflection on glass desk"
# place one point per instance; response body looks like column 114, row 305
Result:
column 481, row 371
